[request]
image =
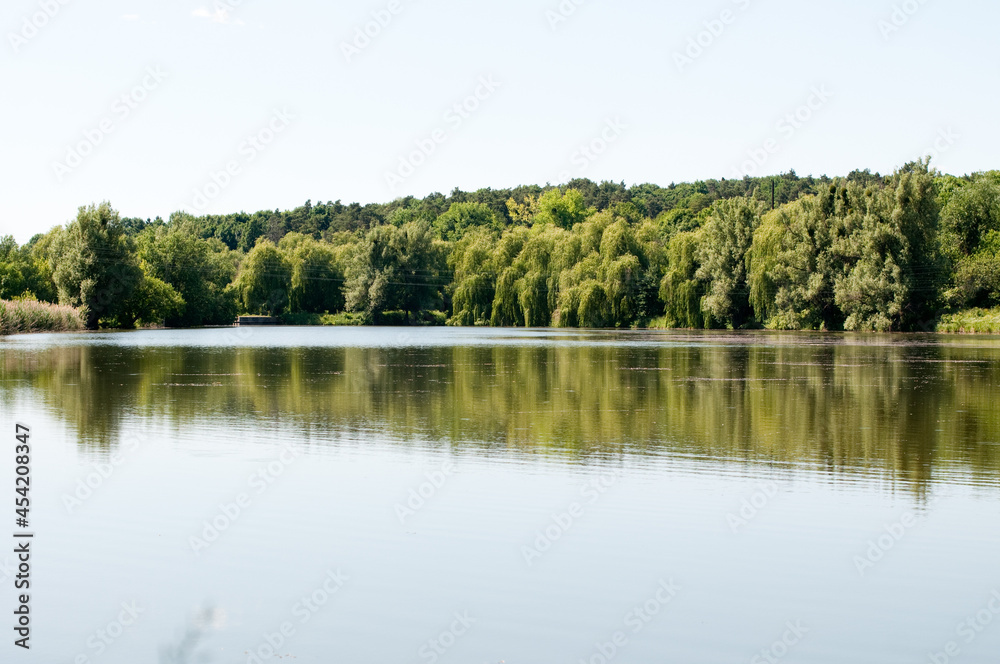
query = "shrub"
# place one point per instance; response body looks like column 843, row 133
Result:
column 21, row 316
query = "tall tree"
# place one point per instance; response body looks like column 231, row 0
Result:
column 94, row 264
column 680, row 289
column 317, row 284
column 474, row 283
column 890, row 251
column 395, row 269
column 199, row 269
column 264, row 280
column 728, row 235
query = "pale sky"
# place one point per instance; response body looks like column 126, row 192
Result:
column 147, row 104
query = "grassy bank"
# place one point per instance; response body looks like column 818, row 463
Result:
column 20, row 316
column 971, row 321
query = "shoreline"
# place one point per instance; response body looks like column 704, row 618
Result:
column 844, row 333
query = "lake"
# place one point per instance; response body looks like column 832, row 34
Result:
column 520, row 496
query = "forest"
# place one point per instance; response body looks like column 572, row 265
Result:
column 865, row 252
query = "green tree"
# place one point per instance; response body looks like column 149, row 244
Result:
column 264, row 280
column 461, row 217
column 562, row 210
column 972, row 211
column 23, row 273
column 728, row 235
column 976, row 281
column 970, row 221
column 94, row 264
column 395, row 269
column 680, row 289
column 152, row 302
column 199, row 269
column 792, row 268
column 890, row 250
column 317, row 284
column 474, row 281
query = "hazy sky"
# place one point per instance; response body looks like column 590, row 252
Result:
column 147, row 104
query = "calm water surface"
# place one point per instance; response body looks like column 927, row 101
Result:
column 525, row 496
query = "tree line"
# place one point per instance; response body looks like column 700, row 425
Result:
column 861, row 252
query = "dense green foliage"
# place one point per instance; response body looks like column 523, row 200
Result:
column 395, row 268
column 199, row 270
column 95, row 266
column 865, row 252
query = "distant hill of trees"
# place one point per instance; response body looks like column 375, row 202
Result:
column 861, row 252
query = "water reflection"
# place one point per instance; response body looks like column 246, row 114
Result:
column 913, row 411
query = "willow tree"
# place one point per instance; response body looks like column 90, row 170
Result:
column 526, row 287
column 536, row 288
column 792, row 268
column 605, row 286
column 506, row 308
column 893, row 269
column 623, row 264
column 680, row 289
column 728, row 235
column 264, row 280
column 575, row 281
column 317, row 281
column 473, row 266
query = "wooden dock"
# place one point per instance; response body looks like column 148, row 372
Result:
column 257, row 320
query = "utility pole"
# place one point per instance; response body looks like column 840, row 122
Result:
column 772, row 193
